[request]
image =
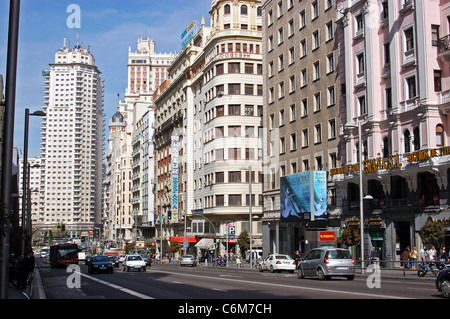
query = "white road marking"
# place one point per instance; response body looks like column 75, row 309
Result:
column 126, row 290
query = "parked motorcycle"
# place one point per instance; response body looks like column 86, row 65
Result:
column 434, row 267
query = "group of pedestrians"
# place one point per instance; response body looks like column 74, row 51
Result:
column 409, row 257
column 21, row 268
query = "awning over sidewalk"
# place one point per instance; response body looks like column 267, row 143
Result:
column 181, row 239
column 205, row 243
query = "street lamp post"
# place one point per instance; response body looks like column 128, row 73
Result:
column 250, row 211
column 25, row 171
column 361, row 193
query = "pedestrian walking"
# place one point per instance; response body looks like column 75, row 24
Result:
column 413, row 257
column 238, row 261
column 374, row 257
column 432, row 254
column 297, row 258
column 405, row 258
column 443, row 255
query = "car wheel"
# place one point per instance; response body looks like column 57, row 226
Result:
column 320, row 274
column 300, row 273
column 445, row 288
column 350, row 277
column 144, row 269
column 271, row 269
column 260, row 268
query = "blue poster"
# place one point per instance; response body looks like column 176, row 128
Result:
column 303, row 195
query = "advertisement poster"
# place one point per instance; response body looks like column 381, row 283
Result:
column 175, row 170
column 303, row 196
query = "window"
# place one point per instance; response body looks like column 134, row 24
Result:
column 305, row 165
column 333, row 160
column 281, row 90
column 271, row 95
column 280, row 63
column 235, row 200
column 416, row 139
column 359, row 22
column 316, row 40
column 270, row 43
column 362, row 105
column 234, row 131
column 386, row 147
column 434, row 35
column 234, row 67
column 249, row 110
column 220, row 177
column 316, row 71
column 303, row 48
column 219, row 131
column 302, row 19
column 317, row 102
column 388, row 98
column 437, row 81
column 234, row 89
column 292, row 84
column 332, row 129
column 330, row 31
column 271, row 69
column 409, row 40
column 387, row 54
column 280, row 36
column 259, row 90
column 249, row 89
column 304, row 107
column 292, row 114
column 244, row 10
column 360, row 65
column 234, row 109
column 331, row 96
column 282, row 145
column 249, row 131
column 439, row 135
column 234, row 153
column 291, row 55
column 220, row 200
column 293, row 142
column 282, row 119
column 220, row 111
column 411, row 87
column 219, row 69
column 249, row 153
column 407, row 141
column 227, row 9
column 291, row 28
column 319, row 164
column 304, row 78
column 314, row 10
column 234, row 177
column 305, row 139
column 219, row 154
column 318, row 133
column 280, row 9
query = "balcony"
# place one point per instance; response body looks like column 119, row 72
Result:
column 444, row 49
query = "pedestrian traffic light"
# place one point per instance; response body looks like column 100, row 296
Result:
column 169, row 214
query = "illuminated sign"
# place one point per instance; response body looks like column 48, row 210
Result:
column 327, row 236
column 189, row 33
column 175, row 171
column 391, row 162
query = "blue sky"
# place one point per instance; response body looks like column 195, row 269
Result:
column 109, row 27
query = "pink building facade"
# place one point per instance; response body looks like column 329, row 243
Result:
column 394, row 58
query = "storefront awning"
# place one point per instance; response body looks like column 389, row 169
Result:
column 205, row 243
column 181, row 239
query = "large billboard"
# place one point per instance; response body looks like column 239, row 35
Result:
column 303, row 196
column 175, row 170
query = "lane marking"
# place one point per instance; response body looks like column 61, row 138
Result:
column 340, row 292
column 114, row 286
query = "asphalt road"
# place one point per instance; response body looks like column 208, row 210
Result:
column 207, row 283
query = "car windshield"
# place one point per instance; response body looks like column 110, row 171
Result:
column 283, row 257
column 100, row 258
column 135, row 258
column 188, row 256
column 338, row 254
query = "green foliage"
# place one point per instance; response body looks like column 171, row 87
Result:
column 432, row 232
column 244, row 241
column 350, row 237
column 174, row 247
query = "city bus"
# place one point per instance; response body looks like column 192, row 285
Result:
column 63, row 255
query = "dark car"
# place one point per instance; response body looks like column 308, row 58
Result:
column 443, row 282
column 114, row 260
column 100, row 264
column 88, row 259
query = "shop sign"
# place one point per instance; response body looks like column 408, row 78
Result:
column 327, row 236
column 374, row 221
column 376, row 235
column 391, row 162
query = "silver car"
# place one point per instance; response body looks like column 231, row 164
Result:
column 188, row 260
column 327, row 262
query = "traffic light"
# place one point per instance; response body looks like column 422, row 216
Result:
column 63, row 227
column 169, row 214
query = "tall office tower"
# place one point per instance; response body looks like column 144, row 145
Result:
column 72, row 143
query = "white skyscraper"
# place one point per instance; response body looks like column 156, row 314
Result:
column 72, row 143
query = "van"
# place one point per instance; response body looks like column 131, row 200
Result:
column 257, row 254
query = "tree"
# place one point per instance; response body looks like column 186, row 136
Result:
column 432, row 232
column 349, row 237
column 244, row 241
column 174, row 247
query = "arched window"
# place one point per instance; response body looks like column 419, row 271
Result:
column 227, row 9
column 439, row 135
column 259, row 12
column 385, row 147
column 407, row 141
column 416, row 139
column 244, row 9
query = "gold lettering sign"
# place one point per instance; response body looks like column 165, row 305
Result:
column 391, row 162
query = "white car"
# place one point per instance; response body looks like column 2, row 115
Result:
column 277, row 262
column 134, row 262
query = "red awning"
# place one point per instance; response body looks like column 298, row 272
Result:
column 180, row 239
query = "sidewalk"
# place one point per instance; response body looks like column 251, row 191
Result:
column 34, row 288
